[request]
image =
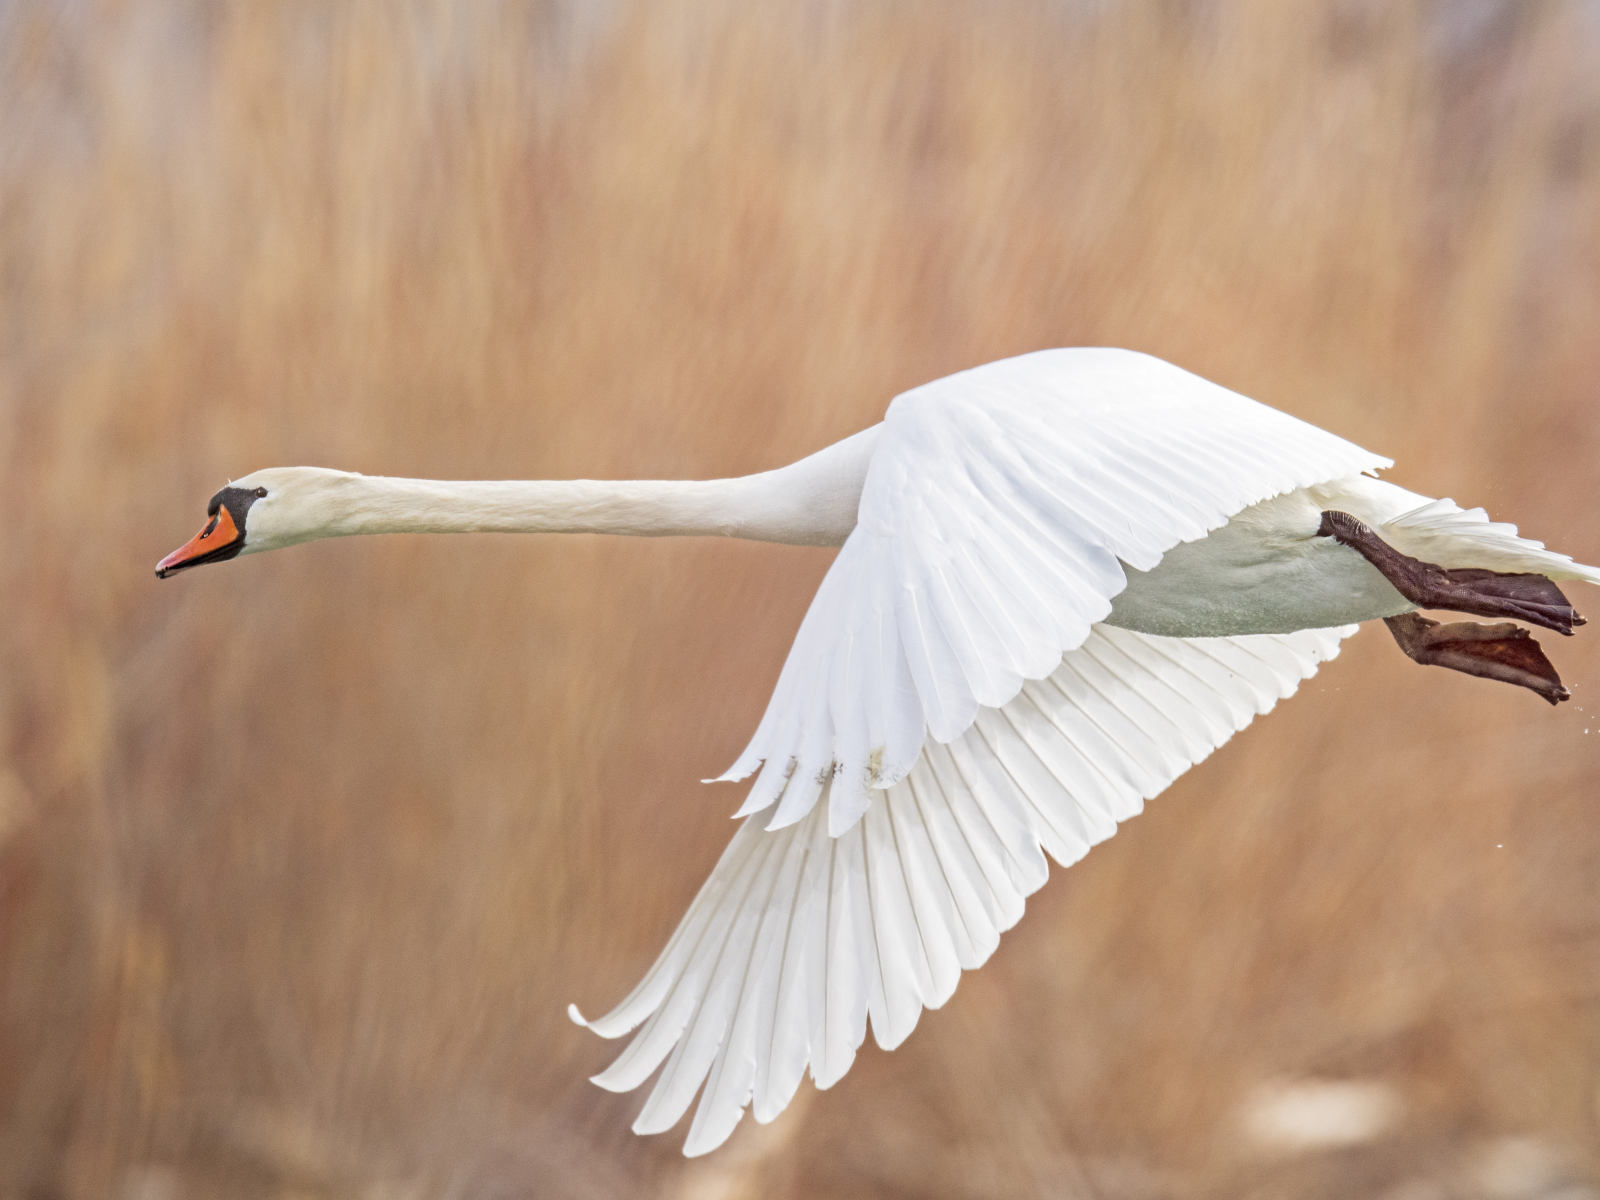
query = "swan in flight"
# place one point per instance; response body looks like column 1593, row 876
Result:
column 1063, row 579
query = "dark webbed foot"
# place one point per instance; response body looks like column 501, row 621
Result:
column 1530, row 598
column 1504, row 651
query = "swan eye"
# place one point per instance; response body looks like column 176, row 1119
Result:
column 259, row 492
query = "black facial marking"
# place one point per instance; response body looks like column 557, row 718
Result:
column 238, row 501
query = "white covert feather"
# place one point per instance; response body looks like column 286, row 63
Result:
column 997, row 506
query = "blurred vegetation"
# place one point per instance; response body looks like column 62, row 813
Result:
column 301, row 858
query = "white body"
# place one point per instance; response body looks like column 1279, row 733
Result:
column 1063, row 579
column 1265, row 571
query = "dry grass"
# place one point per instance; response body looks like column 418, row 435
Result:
column 303, row 857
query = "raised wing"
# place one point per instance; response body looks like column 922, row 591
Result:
column 798, row 936
column 999, row 508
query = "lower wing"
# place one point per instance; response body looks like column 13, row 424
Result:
column 797, row 937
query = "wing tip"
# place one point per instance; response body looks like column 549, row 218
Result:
column 752, row 805
column 612, row 1085
column 706, row 1136
column 743, row 767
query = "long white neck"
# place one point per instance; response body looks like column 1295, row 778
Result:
column 810, row 503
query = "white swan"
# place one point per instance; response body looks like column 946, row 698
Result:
column 1064, row 579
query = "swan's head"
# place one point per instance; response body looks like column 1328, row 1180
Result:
column 267, row 510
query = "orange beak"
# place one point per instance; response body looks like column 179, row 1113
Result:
column 214, row 542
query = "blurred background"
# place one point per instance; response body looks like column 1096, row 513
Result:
column 302, row 858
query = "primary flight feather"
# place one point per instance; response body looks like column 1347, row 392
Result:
column 1064, row 579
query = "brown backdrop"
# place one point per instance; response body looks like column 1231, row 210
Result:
column 301, row 858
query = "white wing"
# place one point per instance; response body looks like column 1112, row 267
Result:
column 997, row 506
column 797, row 936
column 997, row 513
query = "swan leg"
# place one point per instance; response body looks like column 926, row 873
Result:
column 1523, row 597
column 1504, row 651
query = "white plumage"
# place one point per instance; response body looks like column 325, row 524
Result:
column 998, row 510
column 798, row 936
column 953, row 666
column 1065, row 578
